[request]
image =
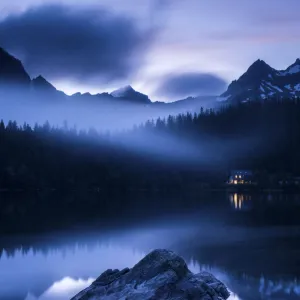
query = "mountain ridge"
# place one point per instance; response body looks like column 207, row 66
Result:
column 13, row 73
column 261, row 81
column 127, row 92
column 12, row 70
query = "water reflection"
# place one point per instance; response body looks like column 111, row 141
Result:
column 63, row 289
column 267, row 208
column 240, row 201
column 64, row 269
column 246, row 201
column 68, row 287
column 38, row 272
column 254, row 262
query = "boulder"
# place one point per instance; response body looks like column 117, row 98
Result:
column 160, row 275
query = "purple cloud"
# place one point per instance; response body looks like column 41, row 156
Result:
column 191, row 84
column 83, row 45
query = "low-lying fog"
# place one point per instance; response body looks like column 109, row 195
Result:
column 93, row 111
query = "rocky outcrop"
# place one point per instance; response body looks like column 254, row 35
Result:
column 160, row 275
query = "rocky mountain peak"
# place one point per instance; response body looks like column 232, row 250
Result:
column 40, row 83
column 12, row 70
column 292, row 69
column 262, row 81
column 127, row 92
column 123, row 91
column 259, row 68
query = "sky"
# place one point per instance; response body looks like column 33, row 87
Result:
column 167, row 49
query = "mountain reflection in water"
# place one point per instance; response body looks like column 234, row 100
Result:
column 254, row 261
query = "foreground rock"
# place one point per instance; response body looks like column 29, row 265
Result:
column 160, row 275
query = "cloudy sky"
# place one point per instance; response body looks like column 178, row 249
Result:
column 168, row 49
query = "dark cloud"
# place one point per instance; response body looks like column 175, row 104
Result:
column 83, row 45
column 191, row 84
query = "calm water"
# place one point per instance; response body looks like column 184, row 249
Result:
column 250, row 242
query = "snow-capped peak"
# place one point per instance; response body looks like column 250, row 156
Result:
column 293, row 69
column 122, row 91
column 128, row 93
column 261, row 81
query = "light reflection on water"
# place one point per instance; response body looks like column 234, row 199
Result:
column 61, row 273
column 240, row 201
column 63, row 289
column 246, row 200
column 67, row 287
column 56, row 267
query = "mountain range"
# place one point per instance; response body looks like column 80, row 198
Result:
column 13, row 73
column 36, row 100
column 260, row 81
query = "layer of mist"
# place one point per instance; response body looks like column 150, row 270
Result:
column 102, row 112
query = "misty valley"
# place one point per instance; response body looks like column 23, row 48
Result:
column 99, row 191
column 75, row 203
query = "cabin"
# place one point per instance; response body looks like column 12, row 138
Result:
column 240, row 177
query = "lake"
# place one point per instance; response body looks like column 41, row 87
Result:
column 251, row 242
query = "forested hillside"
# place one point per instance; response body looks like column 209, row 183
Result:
column 175, row 154
column 255, row 135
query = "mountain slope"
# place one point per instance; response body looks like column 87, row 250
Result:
column 128, row 93
column 41, row 84
column 262, row 81
column 13, row 76
column 12, row 71
column 43, row 89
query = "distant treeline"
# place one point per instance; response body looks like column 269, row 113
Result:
column 262, row 136
column 254, row 135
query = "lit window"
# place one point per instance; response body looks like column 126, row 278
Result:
column 235, row 182
column 240, row 176
column 236, row 176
